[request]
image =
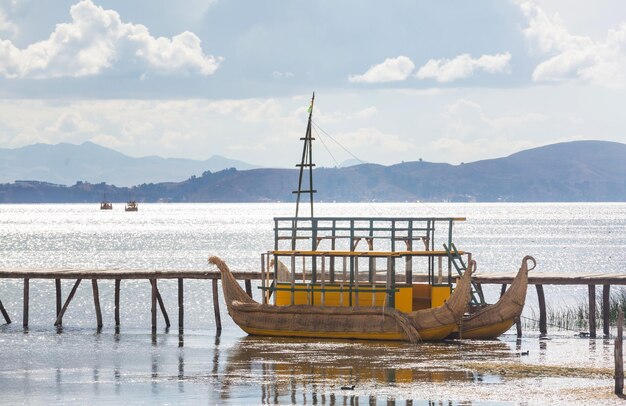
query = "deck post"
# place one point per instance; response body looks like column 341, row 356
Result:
column 117, row 302
column 5, row 314
column 57, row 286
column 263, row 291
column 543, row 328
column 592, row 311
column 503, row 289
column 619, row 356
column 356, row 281
column 293, row 278
column 606, row 294
column 153, row 304
column 59, row 320
column 96, row 303
column 518, row 327
column 323, row 281
column 181, row 304
column 26, row 294
column 216, row 307
column 248, row 284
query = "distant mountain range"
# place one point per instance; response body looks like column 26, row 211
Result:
column 570, row 172
column 66, row 164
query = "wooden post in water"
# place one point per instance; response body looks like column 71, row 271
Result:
column 248, row 284
column 59, row 320
column 619, row 359
column 606, row 294
column 5, row 314
column 543, row 328
column 592, row 311
column 162, row 306
column 96, row 303
column 117, row 302
column 216, row 307
column 153, row 304
column 26, row 293
column 57, row 286
column 181, row 304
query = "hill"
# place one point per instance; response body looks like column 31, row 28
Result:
column 68, row 163
column 568, row 172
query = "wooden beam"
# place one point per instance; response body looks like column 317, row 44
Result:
column 118, row 282
column 96, row 303
column 543, row 328
column 606, row 295
column 518, row 327
column 153, row 304
column 26, row 300
column 181, row 304
column 59, row 320
column 57, row 288
column 592, row 311
column 503, row 289
column 619, row 356
column 162, row 306
column 5, row 314
column 216, row 307
column 248, row 284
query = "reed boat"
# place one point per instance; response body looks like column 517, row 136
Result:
column 105, row 204
column 369, row 322
column 491, row 321
column 376, row 278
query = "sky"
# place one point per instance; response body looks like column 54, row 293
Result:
column 442, row 81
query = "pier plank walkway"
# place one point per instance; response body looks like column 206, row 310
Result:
column 539, row 279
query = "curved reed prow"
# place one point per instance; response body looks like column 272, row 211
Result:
column 525, row 261
column 221, row 265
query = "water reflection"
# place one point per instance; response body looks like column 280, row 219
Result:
column 303, row 371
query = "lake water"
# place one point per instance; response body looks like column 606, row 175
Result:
column 79, row 365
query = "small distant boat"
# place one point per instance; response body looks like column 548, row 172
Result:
column 131, row 206
column 106, row 205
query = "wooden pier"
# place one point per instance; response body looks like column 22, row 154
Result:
column 538, row 279
column 96, row 275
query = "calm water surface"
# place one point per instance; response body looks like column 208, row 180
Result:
column 78, row 365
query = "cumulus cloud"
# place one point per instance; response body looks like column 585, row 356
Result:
column 96, row 40
column 574, row 57
column 463, row 66
column 391, row 70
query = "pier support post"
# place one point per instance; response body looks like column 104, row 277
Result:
column 619, row 357
column 543, row 327
column 180, row 304
column 59, row 320
column 216, row 307
column 117, row 302
column 5, row 314
column 26, row 300
column 592, row 311
column 57, row 287
column 162, row 306
column 503, row 289
column 96, row 303
column 606, row 294
column 249, row 288
column 153, row 304
column 518, row 326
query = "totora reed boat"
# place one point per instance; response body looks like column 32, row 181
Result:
column 376, row 278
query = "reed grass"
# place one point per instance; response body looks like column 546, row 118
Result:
column 576, row 317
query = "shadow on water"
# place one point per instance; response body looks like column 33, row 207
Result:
column 301, row 371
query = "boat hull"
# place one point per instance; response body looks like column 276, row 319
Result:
column 494, row 320
column 368, row 323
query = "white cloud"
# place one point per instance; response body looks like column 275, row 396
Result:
column 7, row 26
column 463, row 66
column 391, row 70
column 575, row 57
column 282, row 75
column 96, row 40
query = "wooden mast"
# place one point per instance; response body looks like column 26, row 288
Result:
column 306, row 162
